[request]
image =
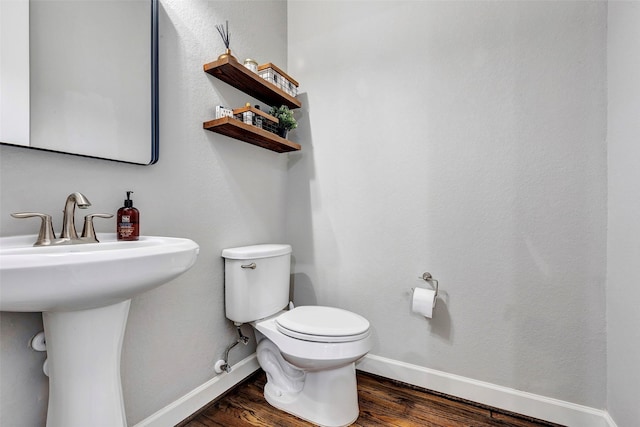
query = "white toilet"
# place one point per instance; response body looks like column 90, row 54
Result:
column 308, row 352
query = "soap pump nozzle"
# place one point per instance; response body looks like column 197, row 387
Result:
column 128, row 203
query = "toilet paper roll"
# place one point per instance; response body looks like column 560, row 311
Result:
column 423, row 301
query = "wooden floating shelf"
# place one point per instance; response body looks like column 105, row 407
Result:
column 237, row 75
column 234, row 128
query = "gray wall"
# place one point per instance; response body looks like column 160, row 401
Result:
column 466, row 139
column 623, row 278
column 209, row 188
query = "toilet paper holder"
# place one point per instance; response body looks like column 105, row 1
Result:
column 427, row 277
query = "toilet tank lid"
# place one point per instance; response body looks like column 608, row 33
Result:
column 256, row 251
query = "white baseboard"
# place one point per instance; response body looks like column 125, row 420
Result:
column 191, row 402
column 533, row 405
column 609, row 420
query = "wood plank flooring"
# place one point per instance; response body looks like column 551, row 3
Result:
column 383, row 402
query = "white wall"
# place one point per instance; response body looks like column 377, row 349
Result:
column 623, row 278
column 214, row 190
column 466, row 139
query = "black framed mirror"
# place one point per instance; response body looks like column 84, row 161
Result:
column 89, row 85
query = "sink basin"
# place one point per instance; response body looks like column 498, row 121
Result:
column 84, row 293
column 75, row 277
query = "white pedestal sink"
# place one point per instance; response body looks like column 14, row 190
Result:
column 84, row 292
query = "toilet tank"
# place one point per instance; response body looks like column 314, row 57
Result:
column 256, row 283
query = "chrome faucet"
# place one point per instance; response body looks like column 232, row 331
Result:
column 69, row 235
column 68, row 220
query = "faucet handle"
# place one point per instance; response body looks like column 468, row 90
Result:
column 46, row 234
column 88, row 232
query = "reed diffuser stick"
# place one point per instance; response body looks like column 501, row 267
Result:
column 224, row 33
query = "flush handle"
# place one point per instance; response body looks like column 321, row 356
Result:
column 251, row 266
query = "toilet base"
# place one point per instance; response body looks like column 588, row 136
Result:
column 329, row 398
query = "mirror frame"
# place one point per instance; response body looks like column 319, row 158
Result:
column 155, row 110
column 155, row 85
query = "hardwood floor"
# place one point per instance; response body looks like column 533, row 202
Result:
column 383, row 402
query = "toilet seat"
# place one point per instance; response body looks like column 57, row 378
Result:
column 322, row 324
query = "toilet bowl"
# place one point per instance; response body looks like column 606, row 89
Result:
column 306, row 342
column 310, row 367
column 307, row 352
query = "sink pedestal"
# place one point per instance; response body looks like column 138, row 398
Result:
column 83, row 354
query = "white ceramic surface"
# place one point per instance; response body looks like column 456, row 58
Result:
column 75, row 277
column 308, row 353
column 84, row 292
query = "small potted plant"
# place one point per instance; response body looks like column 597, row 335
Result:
column 285, row 116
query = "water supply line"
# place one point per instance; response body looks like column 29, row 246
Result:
column 222, row 365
